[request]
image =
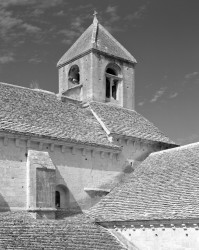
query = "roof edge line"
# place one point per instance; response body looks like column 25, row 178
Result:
column 169, row 221
column 60, row 65
column 93, row 49
column 177, row 148
column 141, row 139
column 100, row 122
column 118, row 43
column 22, row 87
column 117, row 57
column 47, row 139
column 94, row 32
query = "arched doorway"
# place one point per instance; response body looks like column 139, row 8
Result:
column 62, row 197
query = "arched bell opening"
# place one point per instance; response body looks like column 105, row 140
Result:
column 113, row 79
column 73, row 76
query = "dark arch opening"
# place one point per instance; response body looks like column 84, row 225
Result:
column 57, row 199
column 73, row 75
column 62, row 196
column 113, row 77
column 111, row 71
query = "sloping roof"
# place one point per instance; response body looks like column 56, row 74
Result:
column 164, row 186
column 38, row 113
column 19, row 231
column 126, row 122
column 98, row 38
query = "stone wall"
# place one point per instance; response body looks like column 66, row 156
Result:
column 85, row 69
column 126, row 85
column 41, row 181
column 13, row 175
column 173, row 236
column 88, row 173
column 92, row 69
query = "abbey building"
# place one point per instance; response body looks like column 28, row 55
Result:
column 73, row 152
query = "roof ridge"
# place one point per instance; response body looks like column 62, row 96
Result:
column 94, row 32
column 187, row 146
column 22, row 87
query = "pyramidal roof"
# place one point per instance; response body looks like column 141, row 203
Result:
column 98, row 38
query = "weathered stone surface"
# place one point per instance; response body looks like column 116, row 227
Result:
column 160, row 239
column 41, row 179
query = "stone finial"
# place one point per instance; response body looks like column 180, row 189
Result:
column 95, row 17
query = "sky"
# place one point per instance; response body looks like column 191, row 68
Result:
column 162, row 35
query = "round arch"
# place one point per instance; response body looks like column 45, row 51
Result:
column 62, row 196
column 74, row 75
column 113, row 78
column 113, row 69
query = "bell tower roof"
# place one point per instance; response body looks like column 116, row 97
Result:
column 97, row 38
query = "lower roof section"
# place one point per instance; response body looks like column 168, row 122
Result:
column 19, row 230
column 164, row 187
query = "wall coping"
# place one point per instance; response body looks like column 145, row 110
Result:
column 53, row 142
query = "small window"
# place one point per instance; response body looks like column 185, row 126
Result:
column 112, row 81
column 57, row 199
column 73, row 75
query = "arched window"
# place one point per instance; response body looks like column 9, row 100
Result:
column 113, row 79
column 62, row 197
column 73, row 75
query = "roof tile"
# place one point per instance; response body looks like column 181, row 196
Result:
column 164, row 186
column 19, row 230
column 127, row 122
column 38, row 113
column 105, row 43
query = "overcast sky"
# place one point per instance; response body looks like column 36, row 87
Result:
column 163, row 35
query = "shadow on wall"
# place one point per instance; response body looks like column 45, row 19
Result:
column 64, row 199
column 4, row 207
column 85, row 162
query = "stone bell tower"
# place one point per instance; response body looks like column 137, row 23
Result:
column 98, row 68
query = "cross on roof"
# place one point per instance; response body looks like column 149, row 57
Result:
column 95, row 17
column 95, row 13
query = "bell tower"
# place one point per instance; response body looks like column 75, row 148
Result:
column 98, row 68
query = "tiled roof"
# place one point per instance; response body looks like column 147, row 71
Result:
column 164, row 186
column 19, row 231
column 127, row 122
column 38, row 113
column 98, row 38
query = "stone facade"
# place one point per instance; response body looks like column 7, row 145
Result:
column 86, row 64
column 92, row 68
column 160, row 235
column 86, row 149
column 68, row 151
column 36, row 169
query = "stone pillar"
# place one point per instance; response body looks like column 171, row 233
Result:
column 41, row 178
